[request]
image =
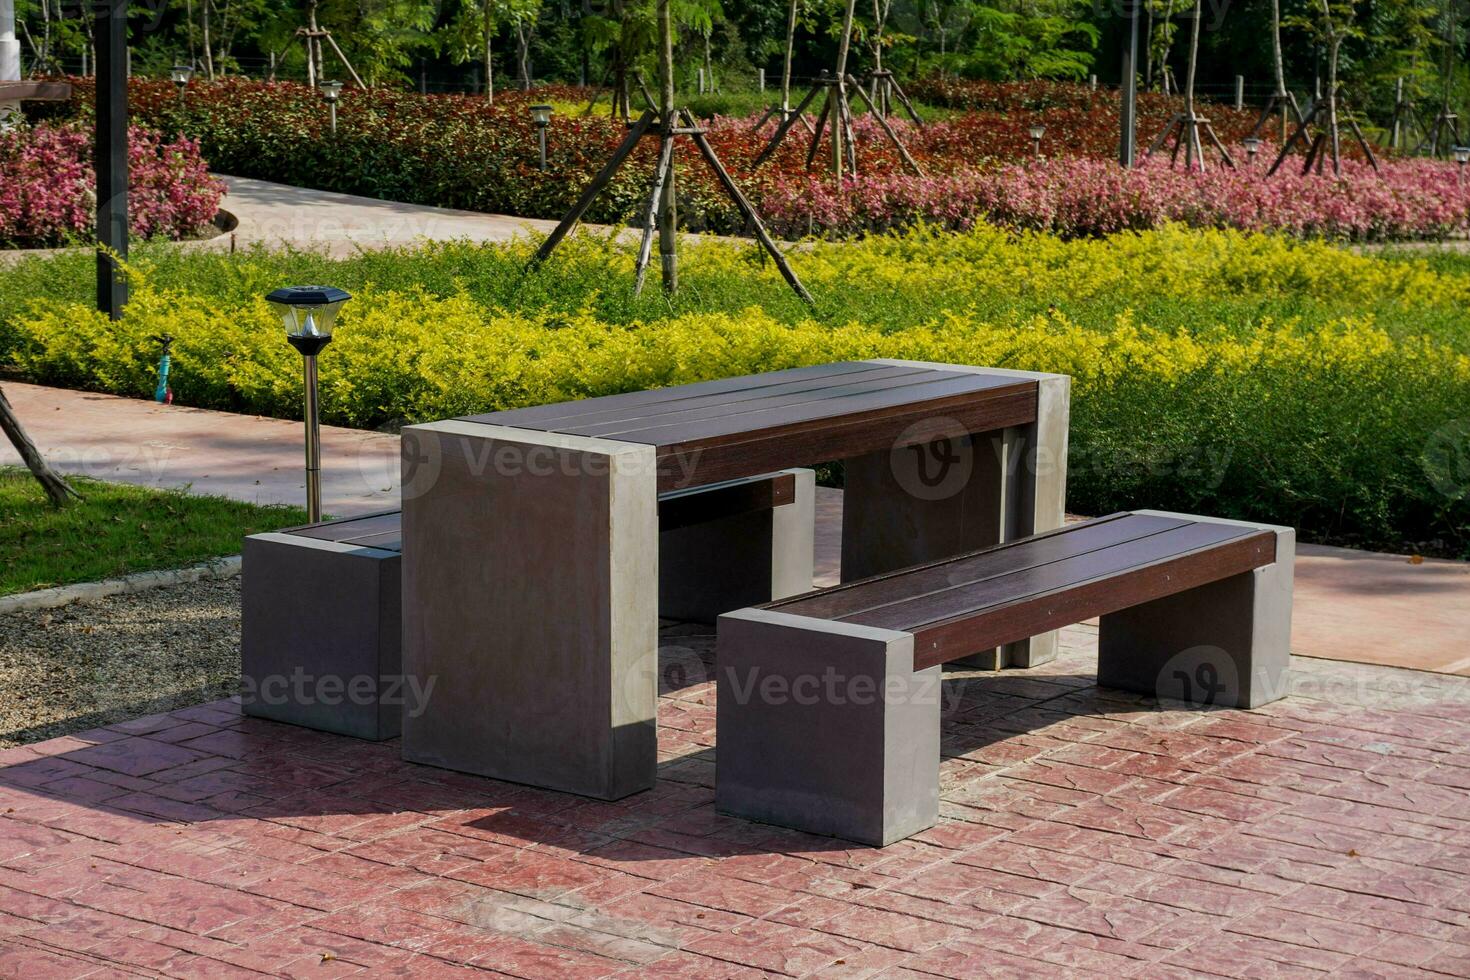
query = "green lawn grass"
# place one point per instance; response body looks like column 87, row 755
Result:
column 116, row 530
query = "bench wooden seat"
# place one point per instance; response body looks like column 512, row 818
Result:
column 1194, row 609
column 325, row 600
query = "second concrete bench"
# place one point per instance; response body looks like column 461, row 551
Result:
column 828, row 706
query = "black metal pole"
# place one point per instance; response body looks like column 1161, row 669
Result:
column 112, row 153
column 1127, row 115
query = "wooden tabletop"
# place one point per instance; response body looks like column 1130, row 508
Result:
column 734, row 427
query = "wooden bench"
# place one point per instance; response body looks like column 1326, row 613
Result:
column 322, row 604
column 829, row 703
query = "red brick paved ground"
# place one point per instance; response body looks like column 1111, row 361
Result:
column 1083, row 831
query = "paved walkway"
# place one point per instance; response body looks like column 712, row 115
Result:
column 1083, row 833
column 274, row 214
column 1350, row 605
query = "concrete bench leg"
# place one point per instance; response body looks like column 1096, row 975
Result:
column 825, row 728
column 320, row 634
column 741, row 560
column 530, row 591
column 917, row 504
column 1227, row 643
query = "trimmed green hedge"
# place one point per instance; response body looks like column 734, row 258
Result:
column 1226, row 374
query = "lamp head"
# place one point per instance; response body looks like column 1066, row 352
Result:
column 1462, row 154
column 1037, row 131
column 331, row 91
column 1252, row 145
column 308, row 313
column 181, row 74
column 541, row 114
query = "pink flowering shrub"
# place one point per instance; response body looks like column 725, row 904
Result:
column 1079, row 197
column 48, row 191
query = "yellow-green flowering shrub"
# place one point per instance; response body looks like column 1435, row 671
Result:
column 1322, row 425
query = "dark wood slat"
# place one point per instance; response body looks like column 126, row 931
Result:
column 735, row 404
column 684, row 508
column 680, row 508
column 347, row 527
column 696, row 400
column 939, row 562
column 756, row 418
column 941, row 642
column 545, row 417
column 821, row 440
column 875, row 593
column 384, row 540
column 969, row 600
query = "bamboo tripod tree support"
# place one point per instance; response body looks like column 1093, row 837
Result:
column 1283, row 103
column 836, row 105
column 1405, row 121
column 782, row 109
column 660, row 212
column 884, row 91
column 1185, row 127
column 835, row 119
column 1320, row 147
column 1444, row 132
column 313, row 34
column 1442, row 135
column 1281, row 98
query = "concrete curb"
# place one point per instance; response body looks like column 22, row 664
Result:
column 65, row 595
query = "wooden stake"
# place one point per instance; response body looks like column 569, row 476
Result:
column 603, row 178
column 743, row 204
column 821, row 127
column 782, row 129
column 888, row 130
column 650, row 221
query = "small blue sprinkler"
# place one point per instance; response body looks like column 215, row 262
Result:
column 163, row 394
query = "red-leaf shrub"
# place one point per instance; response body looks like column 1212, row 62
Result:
column 460, row 152
column 1078, row 197
column 48, row 188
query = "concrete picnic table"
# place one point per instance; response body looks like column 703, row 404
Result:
column 530, row 537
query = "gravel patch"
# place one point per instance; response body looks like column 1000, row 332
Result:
column 74, row 668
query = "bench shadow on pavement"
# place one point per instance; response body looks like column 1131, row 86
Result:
column 313, row 783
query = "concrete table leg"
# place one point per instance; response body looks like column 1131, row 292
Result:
column 741, row 560
column 916, row 504
column 530, row 590
column 1226, row 643
column 825, row 727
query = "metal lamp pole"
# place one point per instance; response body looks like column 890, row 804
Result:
column 313, row 435
column 181, row 75
column 541, row 118
column 332, row 91
column 308, row 313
